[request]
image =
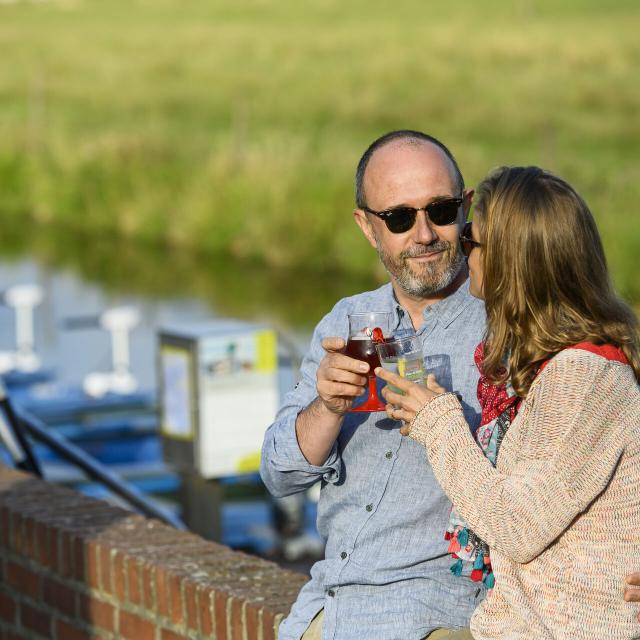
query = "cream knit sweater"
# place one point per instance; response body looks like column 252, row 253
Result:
column 561, row 511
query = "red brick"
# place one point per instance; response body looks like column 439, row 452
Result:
column 133, row 572
column 268, row 625
column 59, row 596
column 171, row 635
column 66, row 555
column 7, row 608
column 17, row 537
column 5, row 536
column 97, row 613
column 133, row 627
column 79, row 565
column 42, row 544
column 236, row 619
column 29, row 545
column 163, row 592
column 54, row 551
column 206, row 608
column 93, row 565
column 105, row 568
column 252, row 622
column 220, row 608
column 175, row 589
column 119, row 577
column 23, row 580
column 149, row 588
column 66, row 631
column 35, row 620
column 191, row 605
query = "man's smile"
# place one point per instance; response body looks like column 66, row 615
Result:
column 427, row 257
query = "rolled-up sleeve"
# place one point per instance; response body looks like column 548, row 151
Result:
column 283, row 467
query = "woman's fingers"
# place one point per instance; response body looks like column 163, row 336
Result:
column 432, row 385
column 393, row 398
column 400, row 414
column 393, row 378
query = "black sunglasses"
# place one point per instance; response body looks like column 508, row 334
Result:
column 467, row 243
column 401, row 219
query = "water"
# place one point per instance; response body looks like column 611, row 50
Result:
column 409, row 366
column 85, row 275
column 74, row 353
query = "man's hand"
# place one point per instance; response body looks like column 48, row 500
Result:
column 412, row 397
column 632, row 588
column 340, row 379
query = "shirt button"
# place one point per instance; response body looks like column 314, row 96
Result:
column 388, row 455
column 369, row 507
column 343, row 555
column 331, row 593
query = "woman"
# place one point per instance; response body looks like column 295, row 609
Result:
column 560, row 511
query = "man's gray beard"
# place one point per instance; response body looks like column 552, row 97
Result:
column 434, row 276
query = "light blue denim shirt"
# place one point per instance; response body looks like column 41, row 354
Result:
column 386, row 574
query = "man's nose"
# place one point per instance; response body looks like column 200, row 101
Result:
column 423, row 232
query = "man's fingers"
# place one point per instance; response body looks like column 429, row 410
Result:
column 333, row 344
column 340, row 361
column 328, row 389
column 342, row 375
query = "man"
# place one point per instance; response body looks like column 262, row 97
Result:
column 386, row 573
column 386, row 570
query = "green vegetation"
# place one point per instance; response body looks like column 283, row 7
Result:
column 232, row 129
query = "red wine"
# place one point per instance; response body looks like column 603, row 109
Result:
column 363, row 348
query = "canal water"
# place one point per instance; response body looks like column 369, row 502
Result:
column 84, row 276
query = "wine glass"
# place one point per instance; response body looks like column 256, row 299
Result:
column 361, row 346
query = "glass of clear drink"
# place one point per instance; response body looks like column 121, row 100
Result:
column 361, row 346
column 404, row 357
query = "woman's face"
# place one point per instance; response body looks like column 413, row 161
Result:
column 475, row 265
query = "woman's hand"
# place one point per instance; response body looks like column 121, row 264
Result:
column 404, row 406
column 632, row 588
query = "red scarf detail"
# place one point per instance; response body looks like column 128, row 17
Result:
column 494, row 398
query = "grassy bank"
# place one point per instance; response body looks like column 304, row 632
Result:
column 234, row 128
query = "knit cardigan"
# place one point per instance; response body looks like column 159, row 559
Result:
column 561, row 510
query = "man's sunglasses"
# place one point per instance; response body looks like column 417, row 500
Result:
column 467, row 243
column 401, row 219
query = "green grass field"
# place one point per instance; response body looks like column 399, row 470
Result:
column 233, row 128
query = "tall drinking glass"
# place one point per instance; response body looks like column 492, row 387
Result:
column 404, row 357
column 362, row 347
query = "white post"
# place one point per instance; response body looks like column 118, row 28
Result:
column 24, row 298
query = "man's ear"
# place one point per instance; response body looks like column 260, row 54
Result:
column 365, row 226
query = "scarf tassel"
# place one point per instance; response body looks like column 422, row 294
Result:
column 456, row 568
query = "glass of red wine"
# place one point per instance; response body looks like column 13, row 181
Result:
column 364, row 330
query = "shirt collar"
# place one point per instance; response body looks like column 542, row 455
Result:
column 444, row 311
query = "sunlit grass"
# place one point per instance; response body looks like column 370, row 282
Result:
column 234, row 128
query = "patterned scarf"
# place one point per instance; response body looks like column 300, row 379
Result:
column 499, row 405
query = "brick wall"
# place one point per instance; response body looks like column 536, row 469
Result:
column 74, row 568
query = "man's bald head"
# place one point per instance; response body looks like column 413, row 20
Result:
column 409, row 137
